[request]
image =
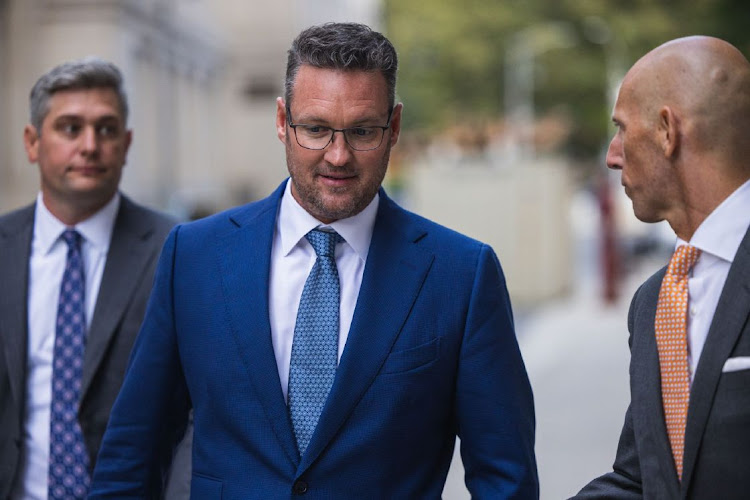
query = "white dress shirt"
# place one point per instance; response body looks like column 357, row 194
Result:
column 292, row 259
column 718, row 238
column 46, row 266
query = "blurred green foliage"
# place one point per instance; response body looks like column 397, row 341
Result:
column 453, row 55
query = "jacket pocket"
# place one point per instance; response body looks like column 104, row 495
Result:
column 411, row 359
column 205, row 488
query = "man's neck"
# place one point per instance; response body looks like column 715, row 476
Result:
column 72, row 214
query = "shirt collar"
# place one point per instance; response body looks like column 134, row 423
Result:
column 294, row 222
column 96, row 230
column 721, row 233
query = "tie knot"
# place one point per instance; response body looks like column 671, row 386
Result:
column 72, row 238
column 324, row 242
column 683, row 260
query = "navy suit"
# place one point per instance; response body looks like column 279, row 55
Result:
column 431, row 353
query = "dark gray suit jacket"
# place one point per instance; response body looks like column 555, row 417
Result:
column 137, row 238
column 716, row 461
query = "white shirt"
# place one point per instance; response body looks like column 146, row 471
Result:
column 292, row 259
column 46, row 265
column 718, row 238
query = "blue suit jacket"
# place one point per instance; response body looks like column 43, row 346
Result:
column 431, row 354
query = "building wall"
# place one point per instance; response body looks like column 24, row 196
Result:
column 515, row 209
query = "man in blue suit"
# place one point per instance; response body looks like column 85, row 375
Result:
column 330, row 343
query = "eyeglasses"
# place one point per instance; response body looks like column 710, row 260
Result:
column 319, row 137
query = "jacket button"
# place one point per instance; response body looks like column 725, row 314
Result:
column 300, row 487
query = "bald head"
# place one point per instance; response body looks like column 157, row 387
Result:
column 706, row 82
column 682, row 144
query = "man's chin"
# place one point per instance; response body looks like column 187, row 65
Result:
column 331, row 213
column 92, row 192
column 332, row 208
column 646, row 216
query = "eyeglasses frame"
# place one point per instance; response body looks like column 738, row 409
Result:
column 334, row 130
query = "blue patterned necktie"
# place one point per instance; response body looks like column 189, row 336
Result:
column 316, row 339
column 68, row 459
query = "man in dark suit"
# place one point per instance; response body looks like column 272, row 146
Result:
column 330, row 343
column 682, row 144
column 59, row 378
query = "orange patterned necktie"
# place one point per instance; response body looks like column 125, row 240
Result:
column 671, row 342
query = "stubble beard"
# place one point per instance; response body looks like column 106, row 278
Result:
column 313, row 199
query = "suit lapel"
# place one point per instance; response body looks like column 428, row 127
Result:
column 129, row 249
column 15, row 242
column 245, row 259
column 393, row 277
column 731, row 315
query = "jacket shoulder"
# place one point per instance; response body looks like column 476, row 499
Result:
column 136, row 215
column 16, row 220
column 226, row 220
column 428, row 232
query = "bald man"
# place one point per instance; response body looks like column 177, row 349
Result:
column 683, row 147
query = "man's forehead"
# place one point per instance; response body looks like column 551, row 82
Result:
column 99, row 100
column 326, row 85
column 626, row 91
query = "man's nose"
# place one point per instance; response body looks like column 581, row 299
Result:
column 614, row 153
column 338, row 152
column 89, row 140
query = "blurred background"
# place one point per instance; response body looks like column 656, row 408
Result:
column 506, row 122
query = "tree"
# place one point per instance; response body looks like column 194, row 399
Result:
column 453, row 55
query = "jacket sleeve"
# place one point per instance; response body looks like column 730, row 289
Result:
column 151, row 410
column 495, row 407
column 624, row 482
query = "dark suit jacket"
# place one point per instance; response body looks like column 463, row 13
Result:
column 431, row 352
column 137, row 238
column 716, row 461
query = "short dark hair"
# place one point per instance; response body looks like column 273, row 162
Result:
column 343, row 46
column 86, row 73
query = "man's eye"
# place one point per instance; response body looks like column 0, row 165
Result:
column 106, row 130
column 362, row 131
column 70, row 129
column 315, row 130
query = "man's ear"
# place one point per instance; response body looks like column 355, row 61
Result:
column 396, row 123
column 31, row 143
column 128, row 140
column 668, row 131
column 281, row 119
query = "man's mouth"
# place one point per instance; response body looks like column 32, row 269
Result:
column 337, row 180
column 87, row 169
column 337, row 176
